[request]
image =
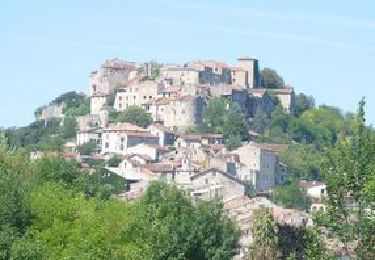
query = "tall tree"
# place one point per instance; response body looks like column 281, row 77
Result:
column 135, row 115
column 349, row 171
column 270, row 79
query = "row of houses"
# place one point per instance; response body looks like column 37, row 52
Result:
column 181, row 91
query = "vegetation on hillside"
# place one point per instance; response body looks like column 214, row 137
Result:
column 51, row 209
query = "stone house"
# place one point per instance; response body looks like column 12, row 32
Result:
column 214, row 183
column 239, row 77
column 156, row 108
column 91, row 135
column 166, row 136
column 154, row 151
column 251, row 68
column 117, row 138
column 317, row 192
column 98, row 101
column 136, row 94
column 181, row 76
column 110, row 75
column 262, row 163
column 183, row 112
column 285, row 95
column 49, row 112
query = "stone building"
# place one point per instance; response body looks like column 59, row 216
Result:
column 251, row 68
column 136, row 94
column 214, row 183
column 262, row 163
column 110, row 75
column 183, row 112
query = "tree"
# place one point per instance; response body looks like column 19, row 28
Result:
column 234, row 141
column 215, row 111
column 114, row 161
column 303, row 103
column 68, row 130
column 290, row 195
column 349, row 171
column 270, row 79
column 265, row 238
column 87, row 148
column 135, row 115
column 14, row 211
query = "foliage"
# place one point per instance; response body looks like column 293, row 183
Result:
column 303, row 103
column 265, row 238
column 87, row 148
column 290, row 195
column 220, row 116
column 68, row 130
column 114, row 161
column 51, row 209
column 349, row 171
column 234, row 141
column 135, row 115
column 303, row 161
column 270, row 79
column 214, row 113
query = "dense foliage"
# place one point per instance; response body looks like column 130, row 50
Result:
column 51, row 209
column 270, row 79
column 135, row 115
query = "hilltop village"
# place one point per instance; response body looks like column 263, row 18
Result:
column 170, row 146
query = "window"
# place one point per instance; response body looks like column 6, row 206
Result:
column 134, row 97
column 120, row 106
column 206, row 181
column 144, row 97
column 106, row 145
column 322, row 191
column 233, row 80
column 149, row 97
column 120, row 98
column 94, row 88
column 107, row 136
column 183, row 111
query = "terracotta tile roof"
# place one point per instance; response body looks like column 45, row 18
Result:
column 123, row 127
column 140, row 134
column 160, row 167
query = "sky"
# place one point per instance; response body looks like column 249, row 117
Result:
column 322, row 48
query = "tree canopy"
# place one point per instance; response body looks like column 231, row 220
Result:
column 270, row 79
column 135, row 115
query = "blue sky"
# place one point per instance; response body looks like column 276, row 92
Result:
column 322, row 48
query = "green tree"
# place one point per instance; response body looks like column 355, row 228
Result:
column 349, row 170
column 270, row 79
column 265, row 237
column 87, row 148
column 233, row 142
column 303, row 103
column 114, row 161
column 135, row 115
column 68, row 129
column 14, row 211
column 290, row 195
column 214, row 113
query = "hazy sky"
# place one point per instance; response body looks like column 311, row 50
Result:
column 322, row 48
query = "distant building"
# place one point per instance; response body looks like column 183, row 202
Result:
column 262, row 162
column 136, row 94
column 214, row 183
column 49, row 112
column 251, row 68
